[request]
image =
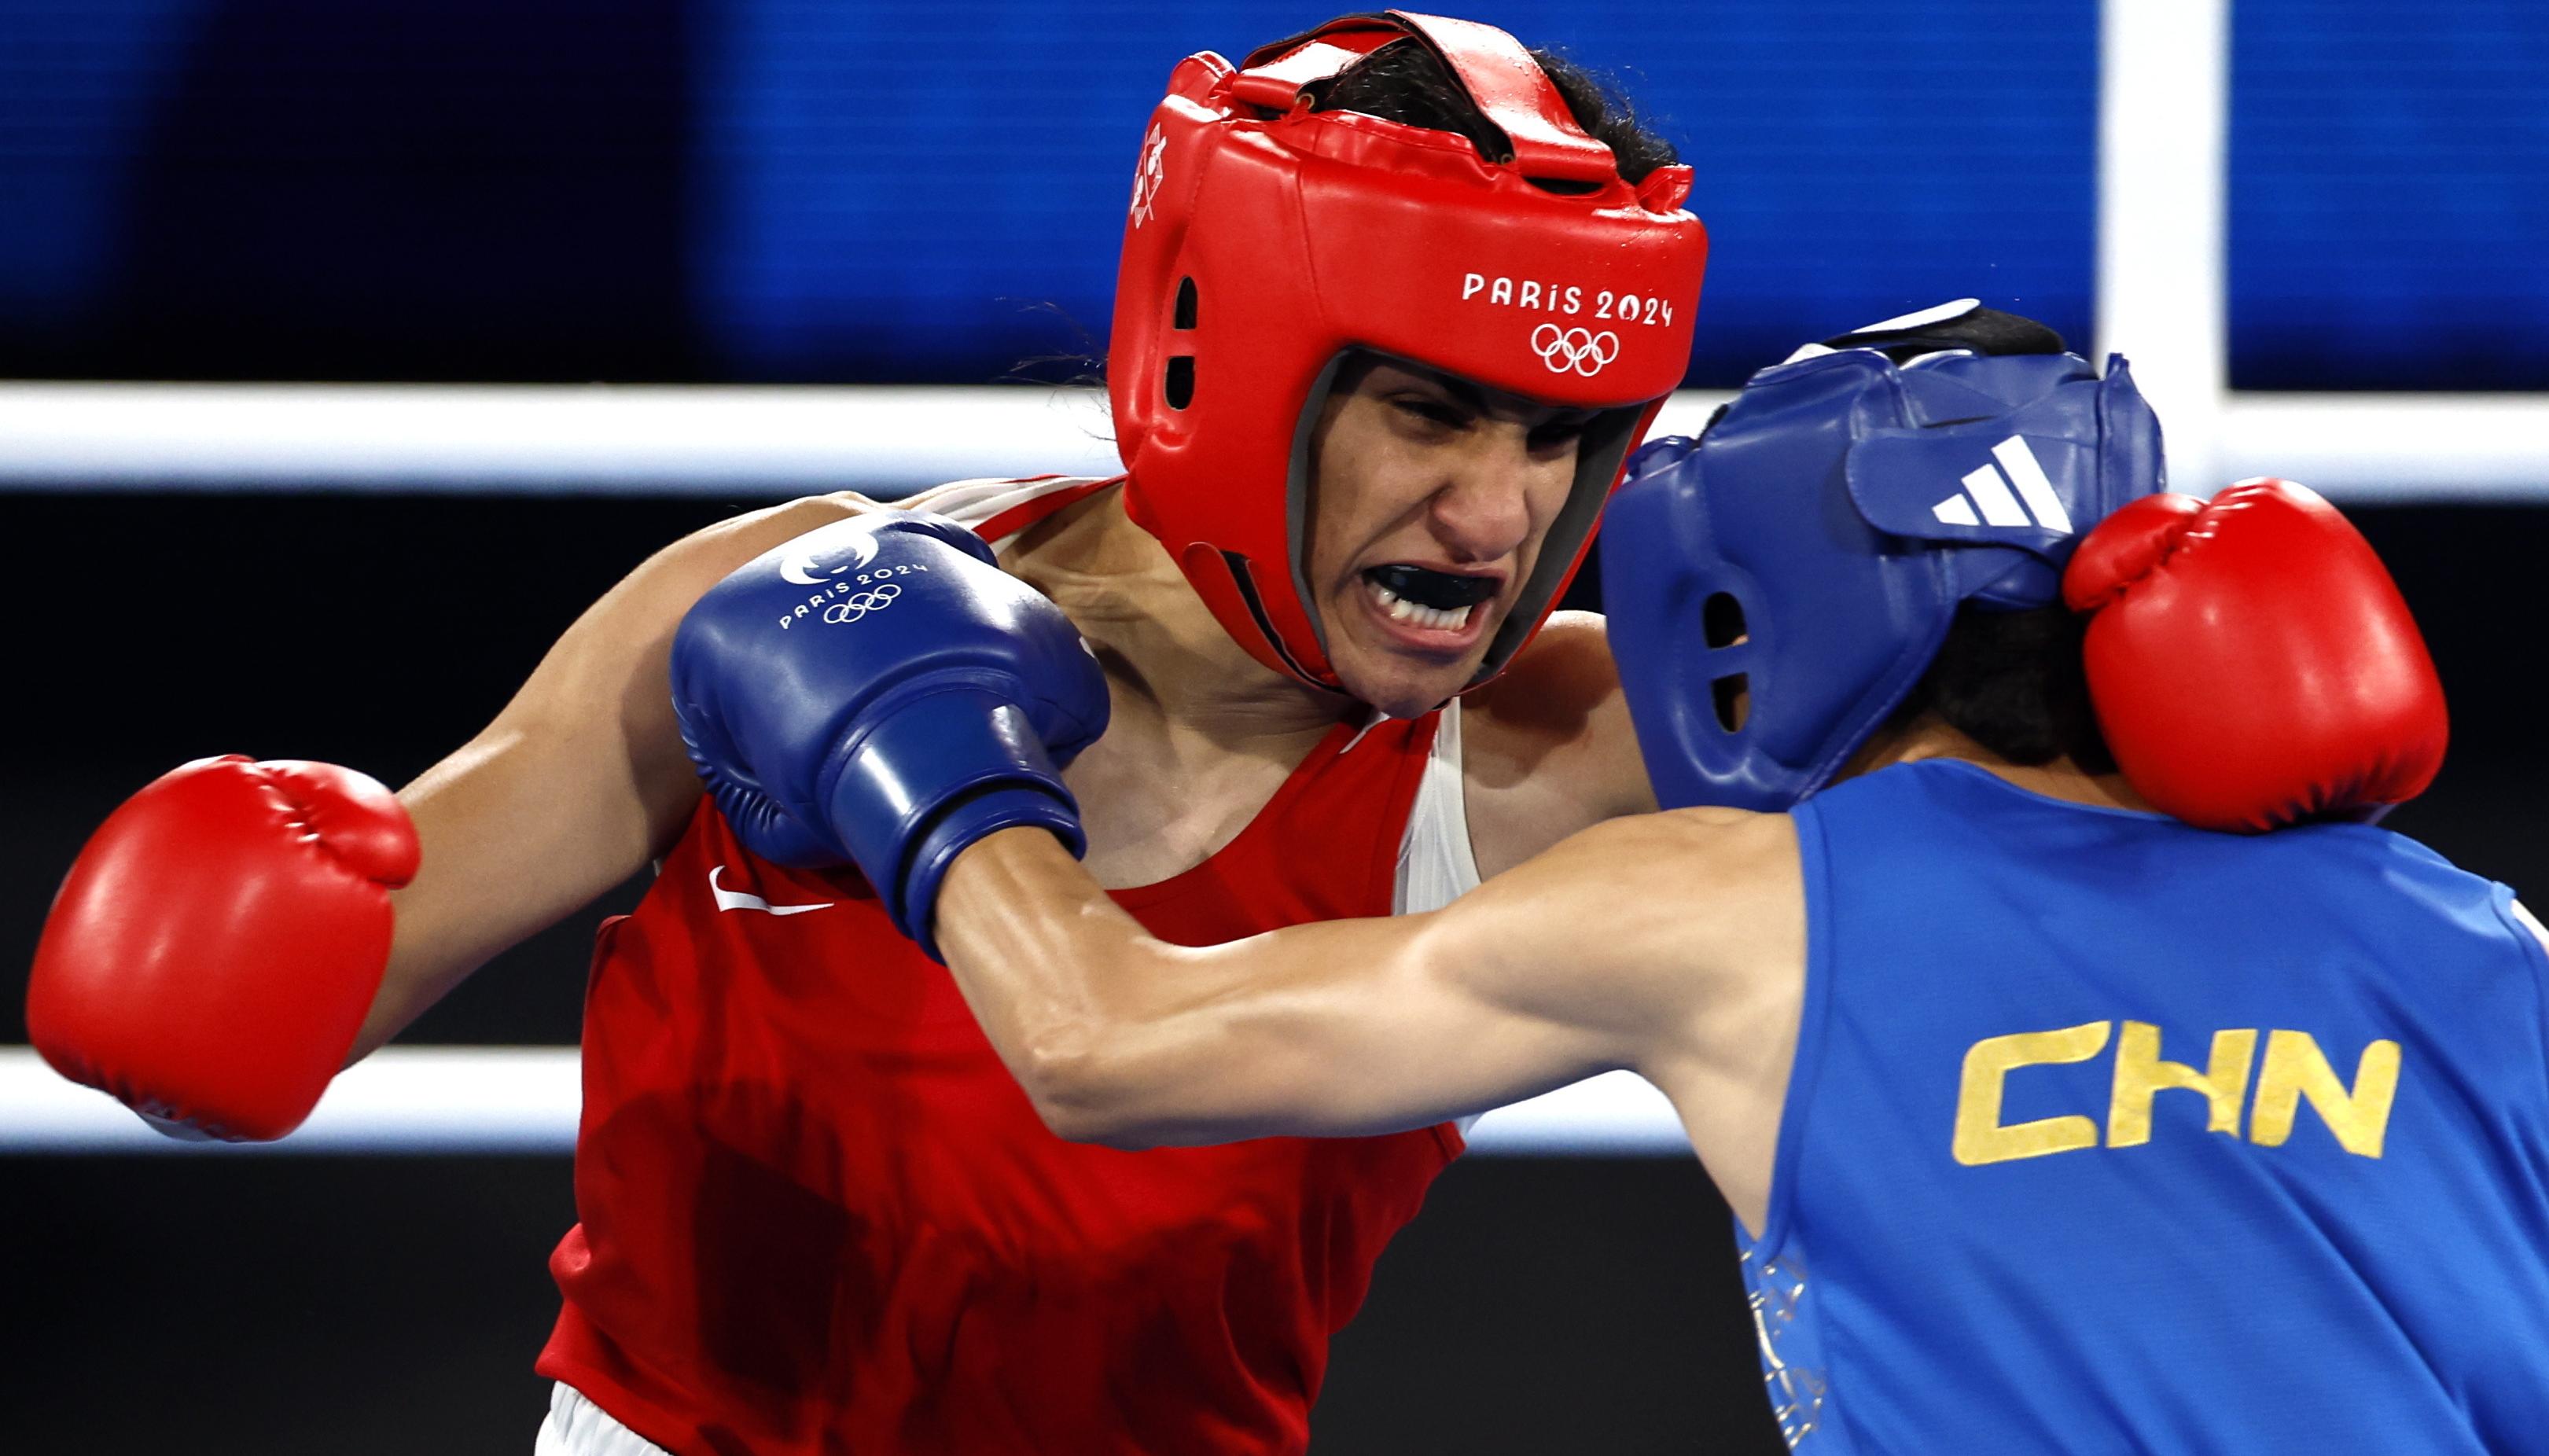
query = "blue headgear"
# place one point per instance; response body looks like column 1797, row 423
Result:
column 1834, row 518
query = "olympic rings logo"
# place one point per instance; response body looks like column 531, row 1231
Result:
column 850, row 609
column 1580, row 349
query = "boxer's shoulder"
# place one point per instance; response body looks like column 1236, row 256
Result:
column 670, row 581
column 1738, row 856
column 680, row 572
column 1551, row 709
column 1548, row 747
column 1565, row 674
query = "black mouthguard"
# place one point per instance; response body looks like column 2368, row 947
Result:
column 1441, row 590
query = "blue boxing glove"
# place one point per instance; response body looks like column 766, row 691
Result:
column 880, row 693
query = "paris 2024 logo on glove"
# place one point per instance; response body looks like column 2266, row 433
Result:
column 850, row 587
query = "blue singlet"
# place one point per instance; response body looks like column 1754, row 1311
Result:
column 2107, row 1135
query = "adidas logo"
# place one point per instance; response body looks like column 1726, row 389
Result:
column 1989, row 490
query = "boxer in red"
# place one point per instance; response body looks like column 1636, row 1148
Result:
column 1397, row 298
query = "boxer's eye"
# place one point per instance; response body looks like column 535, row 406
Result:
column 1432, row 411
column 1566, row 429
column 1441, row 590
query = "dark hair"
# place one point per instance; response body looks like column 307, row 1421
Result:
column 2013, row 681
column 1404, row 82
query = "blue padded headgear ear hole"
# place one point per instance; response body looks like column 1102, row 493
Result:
column 1732, row 698
column 1721, row 619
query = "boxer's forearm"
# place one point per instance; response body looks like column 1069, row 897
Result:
column 1115, row 1034
column 1340, row 1028
column 1053, row 969
column 521, row 828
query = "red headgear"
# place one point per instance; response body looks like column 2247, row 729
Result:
column 1267, row 239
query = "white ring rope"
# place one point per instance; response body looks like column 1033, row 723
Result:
column 526, row 1099
column 769, row 442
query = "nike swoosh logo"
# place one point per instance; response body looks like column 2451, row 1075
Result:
column 728, row 900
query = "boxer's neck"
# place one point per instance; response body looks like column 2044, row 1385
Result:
column 1929, row 738
column 1162, row 646
column 1202, row 736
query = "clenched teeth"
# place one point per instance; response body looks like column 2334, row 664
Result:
column 1401, row 609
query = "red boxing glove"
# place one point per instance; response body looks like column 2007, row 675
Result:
column 216, row 947
column 2252, row 661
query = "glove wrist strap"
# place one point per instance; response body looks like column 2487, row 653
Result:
column 939, row 757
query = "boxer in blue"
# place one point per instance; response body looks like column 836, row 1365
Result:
column 2052, row 1122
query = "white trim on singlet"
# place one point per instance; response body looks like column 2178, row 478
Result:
column 972, row 503
column 578, row 1428
column 1435, row 862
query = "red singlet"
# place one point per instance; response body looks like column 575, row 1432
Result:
column 818, row 1216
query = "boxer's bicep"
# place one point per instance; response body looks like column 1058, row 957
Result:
column 575, row 785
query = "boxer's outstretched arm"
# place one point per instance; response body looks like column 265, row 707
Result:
column 1637, row 944
column 575, row 785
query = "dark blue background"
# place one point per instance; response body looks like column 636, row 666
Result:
column 2390, row 194
column 802, row 190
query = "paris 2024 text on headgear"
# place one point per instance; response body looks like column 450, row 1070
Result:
column 1808, row 552
column 1267, row 239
